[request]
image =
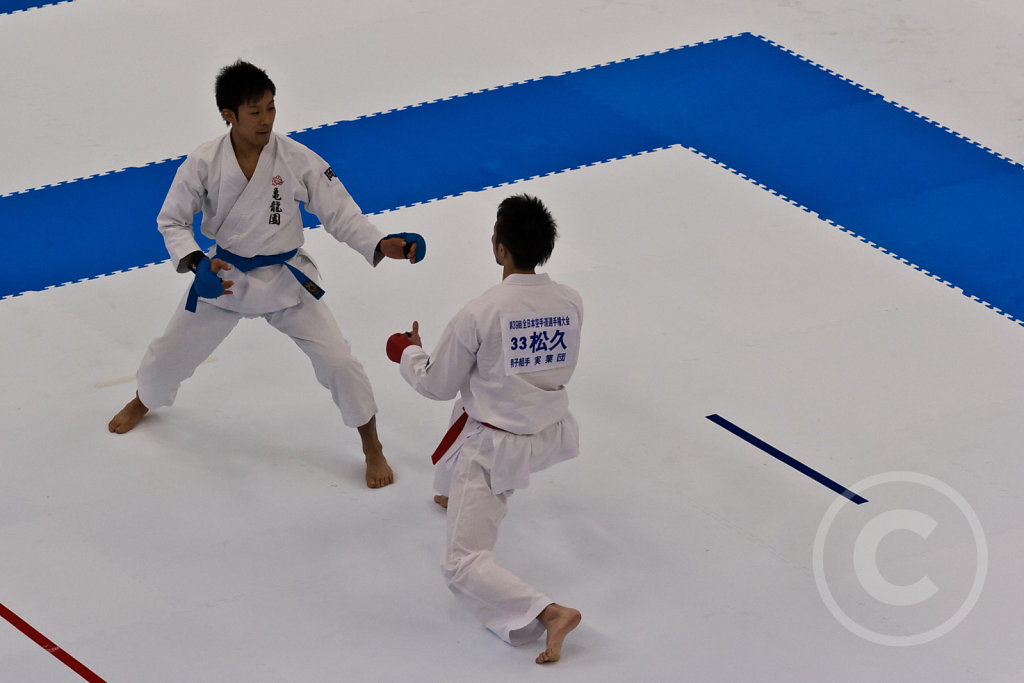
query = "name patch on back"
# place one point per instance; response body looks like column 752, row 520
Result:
column 533, row 342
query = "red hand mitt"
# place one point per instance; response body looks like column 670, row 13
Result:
column 397, row 344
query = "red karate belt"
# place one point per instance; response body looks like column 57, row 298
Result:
column 453, row 433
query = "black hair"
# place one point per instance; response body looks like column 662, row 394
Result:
column 527, row 230
column 240, row 83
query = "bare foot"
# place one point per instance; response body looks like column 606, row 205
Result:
column 129, row 416
column 441, row 500
column 378, row 472
column 558, row 621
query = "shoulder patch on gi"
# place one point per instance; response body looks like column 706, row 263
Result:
column 331, row 175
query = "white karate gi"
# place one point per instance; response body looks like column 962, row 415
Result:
column 528, row 428
column 250, row 217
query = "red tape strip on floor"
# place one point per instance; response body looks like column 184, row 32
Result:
column 48, row 645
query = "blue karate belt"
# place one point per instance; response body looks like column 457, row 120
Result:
column 245, row 264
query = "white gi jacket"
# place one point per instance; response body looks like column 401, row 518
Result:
column 509, row 353
column 260, row 216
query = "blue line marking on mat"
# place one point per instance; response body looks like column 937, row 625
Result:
column 11, row 6
column 792, row 462
column 896, row 180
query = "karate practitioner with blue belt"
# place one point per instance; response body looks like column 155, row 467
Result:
column 249, row 184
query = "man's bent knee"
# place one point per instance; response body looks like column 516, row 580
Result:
column 456, row 567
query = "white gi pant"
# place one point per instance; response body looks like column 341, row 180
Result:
column 502, row 602
column 190, row 338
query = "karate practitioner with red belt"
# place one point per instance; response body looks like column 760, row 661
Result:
column 508, row 355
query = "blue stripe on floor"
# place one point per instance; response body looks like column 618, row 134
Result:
column 936, row 200
column 787, row 459
column 9, row 6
